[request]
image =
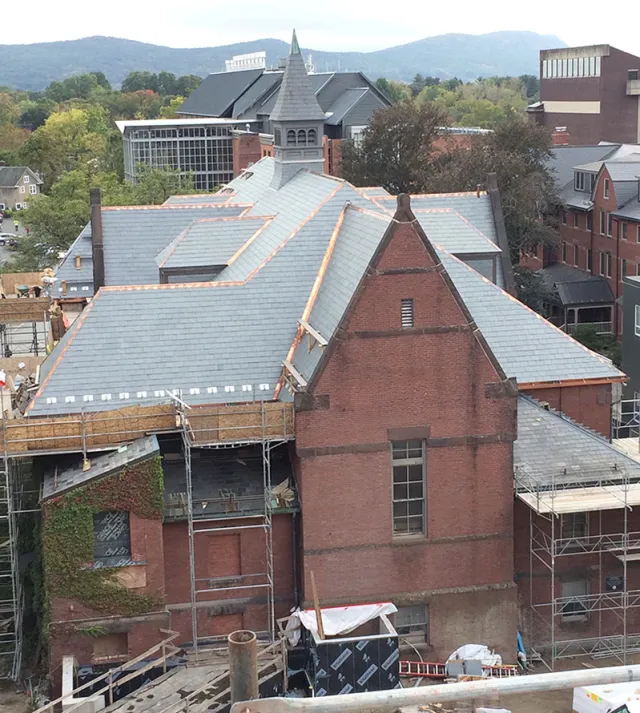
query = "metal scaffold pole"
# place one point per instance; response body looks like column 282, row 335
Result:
column 10, row 595
column 268, row 524
column 186, row 441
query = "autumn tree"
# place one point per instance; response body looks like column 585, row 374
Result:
column 397, row 148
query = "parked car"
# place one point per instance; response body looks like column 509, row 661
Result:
column 8, row 239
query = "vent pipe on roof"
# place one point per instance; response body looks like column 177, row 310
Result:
column 97, row 241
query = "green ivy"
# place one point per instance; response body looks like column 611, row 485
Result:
column 68, row 544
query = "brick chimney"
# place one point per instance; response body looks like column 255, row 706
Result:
column 97, row 242
column 560, row 136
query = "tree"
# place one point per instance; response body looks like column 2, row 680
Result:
column 81, row 86
column 65, row 141
column 531, row 85
column 35, row 113
column 604, row 344
column 187, row 84
column 102, row 80
column 394, row 91
column 397, row 148
column 167, row 83
column 170, row 110
column 517, row 151
column 139, row 81
column 531, row 288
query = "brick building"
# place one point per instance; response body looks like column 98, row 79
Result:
column 335, row 381
column 599, row 234
column 589, row 94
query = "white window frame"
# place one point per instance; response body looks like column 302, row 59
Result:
column 25, row 179
column 606, row 189
column 413, row 621
column 23, row 189
column 603, row 223
column 407, row 315
column 637, row 320
column 399, row 480
column 609, row 264
column 33, row 189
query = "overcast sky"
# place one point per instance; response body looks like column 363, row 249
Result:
column 345, row 25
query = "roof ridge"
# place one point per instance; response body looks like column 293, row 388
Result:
column 172, row 206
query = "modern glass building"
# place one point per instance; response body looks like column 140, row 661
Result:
column 202, row 147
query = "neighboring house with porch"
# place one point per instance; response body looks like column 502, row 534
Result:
column 17, row 185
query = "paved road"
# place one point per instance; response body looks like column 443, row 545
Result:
column 8, row 226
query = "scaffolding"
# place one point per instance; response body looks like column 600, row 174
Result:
column 24, row 326
column 548, row 501
column 258, row 424
column 267, row 424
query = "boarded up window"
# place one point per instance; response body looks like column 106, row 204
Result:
column 112, row 539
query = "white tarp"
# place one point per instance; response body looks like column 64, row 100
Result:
column 476, row 652
column 335, row 620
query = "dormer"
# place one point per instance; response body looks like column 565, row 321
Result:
column 584, row 180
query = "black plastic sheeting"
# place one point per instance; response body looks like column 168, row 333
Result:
column 356, row 666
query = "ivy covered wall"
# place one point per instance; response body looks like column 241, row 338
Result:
column 68, row 538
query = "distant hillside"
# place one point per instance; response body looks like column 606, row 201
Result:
column 466, row 56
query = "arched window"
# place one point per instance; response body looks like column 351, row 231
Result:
column 291, row 137
column 302, row 137
column 311, row 137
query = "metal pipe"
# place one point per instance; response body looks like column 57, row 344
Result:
column 389, row 701
column 243, row 666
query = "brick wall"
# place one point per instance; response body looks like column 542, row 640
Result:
column 439, row 377
column 246, row 151
column 226, row 555
column 589, row 405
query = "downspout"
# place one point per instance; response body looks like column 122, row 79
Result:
column 617, row 286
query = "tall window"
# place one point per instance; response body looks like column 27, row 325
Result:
column 603, row 261
column 609, row 264
column 574, row 524
column 302, row 137
column 623, row 231
column 291, row 137
column 606, row 187
column 638, row 234
column 637, row 321
column 589, row 259
column 564, row 217
column 576, row 254
column 311, row 137
column 623, row 267
column 609, row 224
column 409, row 497
column 574, row 608
column 603, row 223
column 576, row 219
column 589, row 220
column 564, row 252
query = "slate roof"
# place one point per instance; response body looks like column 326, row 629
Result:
column 10, row 176
column 197, row 199
column 296, row 98
column 210, row 241
column 553, row 449
column 527, row 346
column 565, row 158
column 576, row 199
column 343, row 105
column 133, row 237
column 57, row 482
column 266, row 84
column 576, row 286
column 224, row 341
column 453, row 232
column 631, row 210
column 218, row 92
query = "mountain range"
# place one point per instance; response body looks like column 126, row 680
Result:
column 34, row 66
